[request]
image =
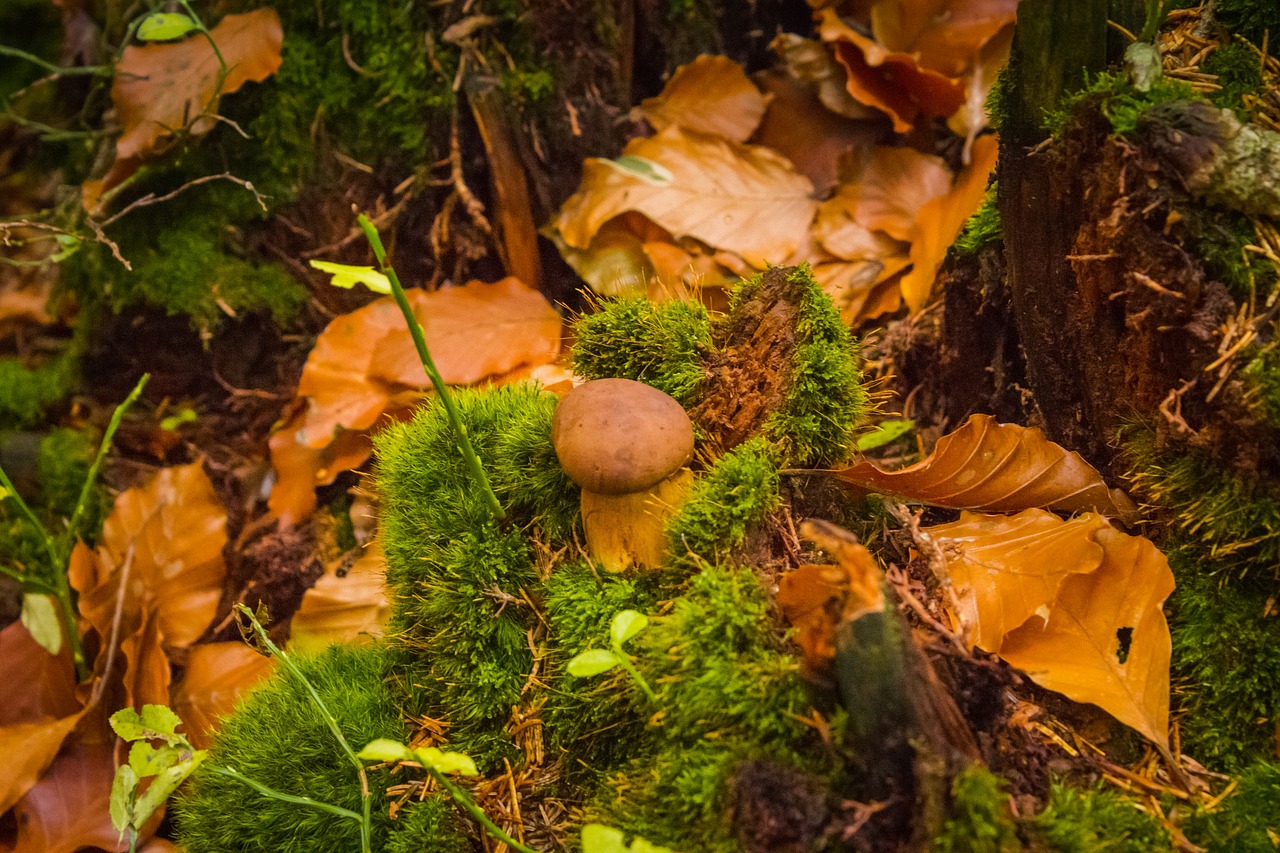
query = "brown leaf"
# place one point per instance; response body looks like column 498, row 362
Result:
column 942, row 218
column 1001, row 467
column 1098, row 634
column 301, row 469
column 339, row 609
column 744, row 199
column 810, row 62
column 892, row 82
column 216, row 676
column 893, row 187
column 862, row 289
column 160, row 88
column 947, row 35
column 147, row 673
column 710, row 95
column 168, row 534
column 473, row 331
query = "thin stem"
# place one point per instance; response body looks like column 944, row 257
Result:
column 266, row 791
column 429, row 365
column 626, row 664
column 366, row 803
column 82, row 502
column 98, row 70
column 463, row 799
column 213, row 44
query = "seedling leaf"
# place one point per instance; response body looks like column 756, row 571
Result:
column 597, row 838
column 165, row 26
column 446, row 762
column 40, row 616
column 160, row 719
column 162, row 786
column 383, row 749
column 146, row 760
column 123, row 787
column 593, row 662
column 626, row 625
column 885, row 432
column 347, row 276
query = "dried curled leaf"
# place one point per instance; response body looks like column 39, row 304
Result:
column 1001, row 467
column 1076, row 605
column 711, row 95
column 217, row 675
column 739, row 198
column 339, row 609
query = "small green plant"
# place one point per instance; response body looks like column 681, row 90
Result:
column 48, row 584
column 169, row 764
column 626, row 624
column 598, row 838
column 439, row 763
column 885, row 432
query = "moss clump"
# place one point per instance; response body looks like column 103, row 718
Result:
column 1118, row 100
column 1239, row 71
column 1096, row 819
column 979, row 819
column 62, row 466
column 1252, row 19
column 429, row 826
column 739, row 491
column 461, row 582
column 279, row 738
column 983, row 228
column 25, row 392
column 1249, row 820
column 660, row 344
column 1262, row 375
column 825, row 401
column 727, row 692
column 1226, row 656
column 1220, row 237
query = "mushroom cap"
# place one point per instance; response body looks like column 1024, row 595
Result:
column 616, row 436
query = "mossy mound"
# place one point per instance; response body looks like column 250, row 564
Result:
column 1088, row 820
column 280, row 739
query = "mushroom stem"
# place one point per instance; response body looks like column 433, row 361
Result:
column 631, row 529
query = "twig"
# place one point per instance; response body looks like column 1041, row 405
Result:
column 937, row 561
column 152, row 198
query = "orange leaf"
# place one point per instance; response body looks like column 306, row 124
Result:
column 947, row 35
column 892, row 82
column 339, row 609
column 941, row 219
column 300, row 469
column 711, row 95
column 147, row 673
column 217, row 675
column 1089, row 598
column 160, row 88
column 1001, row 467
column 741, row 198
column 894, row 186
column 168, row 534
column 473, row 331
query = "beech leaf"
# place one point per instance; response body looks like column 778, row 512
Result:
column 217, row 675
column 341, row 609
column 999, row 467
column 711, row 95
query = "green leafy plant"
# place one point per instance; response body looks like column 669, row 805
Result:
column 47, row 585
column 626, row 624
column 166, row 765
column 598, row 838
column 439, row 764
column 884, row 433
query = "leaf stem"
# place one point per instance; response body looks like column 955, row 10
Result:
column 463, row 799
column 625, row 662
column 232, row 773
column 429, row 365
column 82, row 502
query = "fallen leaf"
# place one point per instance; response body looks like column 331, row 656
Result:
column 941, row 220
column 711, row 95
column 301, row 469
column 1002, row 467
column 340, row 609
column 168, row 535
column 216, row 677
column 1098, row 634
column 147, row 673
column 744, row 199
column 810, row 62
column 947, row 35
column 893, row 187
column 969, row 120
column 159, row 89
column 890, row 81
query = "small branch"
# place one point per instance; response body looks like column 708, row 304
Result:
column 96, row 70
column 152, row 198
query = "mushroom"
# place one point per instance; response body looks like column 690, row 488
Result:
column 626, row 444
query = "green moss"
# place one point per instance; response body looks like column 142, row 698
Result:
column 1118, row 100
column 1239, row 70
column 1219, row 238
column 1095, row 820
column 1226, row 662
column 660, row 344
column 826, row 401
column 429, row 826
column 739, row 491
column 983, row 228
column 25, row 392
column 727, row 691
column 62, row 466
column 1248, row 821
column 459, row 580
column 279, row 738
column 1252, row 19
column 979, row 820
column 1262, row 376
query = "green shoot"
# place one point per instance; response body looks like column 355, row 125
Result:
column 626, row 624
column 51, row 579
column 166, row 765
column 428, row 364
column 884, row 433
column 252, row 630
column 598, row 838
column 439, row 764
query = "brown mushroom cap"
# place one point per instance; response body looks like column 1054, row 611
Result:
column 617, row 436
